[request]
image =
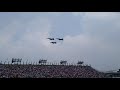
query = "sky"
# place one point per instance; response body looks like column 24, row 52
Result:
column 92, row 37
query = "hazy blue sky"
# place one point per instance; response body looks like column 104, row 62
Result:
column 93, row 37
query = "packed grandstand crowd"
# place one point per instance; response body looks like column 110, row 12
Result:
column 48, row 71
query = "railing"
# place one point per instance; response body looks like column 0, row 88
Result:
column 37, row 63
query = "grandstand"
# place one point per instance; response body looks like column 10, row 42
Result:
column 113, row 74
column 48, row 71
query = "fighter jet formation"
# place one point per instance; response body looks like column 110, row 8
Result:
column 54, row 42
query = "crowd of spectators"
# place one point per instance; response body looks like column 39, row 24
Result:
column 48, row 71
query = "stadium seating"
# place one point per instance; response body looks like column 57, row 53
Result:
column 48, row 71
